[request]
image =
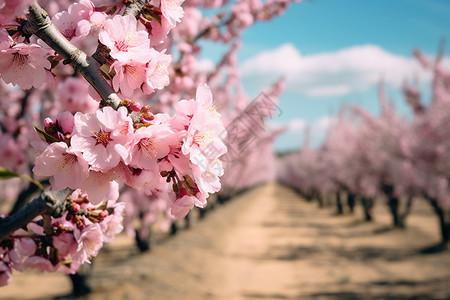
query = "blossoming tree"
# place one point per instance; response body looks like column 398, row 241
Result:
column 83, row 74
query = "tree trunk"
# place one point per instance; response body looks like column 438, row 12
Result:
column 394, row 204
column 406, row 211
column 340, row 208
column 144, row 239
column 444, row 220
column 351, row 198
column 80, row 279
column 367, row 205
column 320, row 200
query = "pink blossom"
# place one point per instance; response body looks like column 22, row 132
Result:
column 190, row 25
column 5, row 273
column 157, row 72
column 12, row 156
column 9, row 9
column 159, row 31
column 73, row 23
column 207, row 176
column 181, row 206
column 120, row 35
column 97, row 185
column 65, row 121
column 113, row 223
column 89, row 240
column 102, row 137
column 130, row 75
column 176, row 160
column 73, row 93
column 65, row 243
column 39, row 263
column 66, row 166
column 6, row 40
column 24, row 65
column 203, row 139
column 172, row 10
column 23, row 248
column 151, row 143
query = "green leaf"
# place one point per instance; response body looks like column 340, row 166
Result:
column 107, row 71
column 150, row 15
column 7, row 174
column 45, row 136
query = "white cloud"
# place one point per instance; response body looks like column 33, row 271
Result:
column 205, row 65
column 324, row 123
column 331, row 74
column 297, row 125
column 293, row 125
column 295, row 132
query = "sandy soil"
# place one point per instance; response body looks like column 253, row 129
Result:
column 268, row 244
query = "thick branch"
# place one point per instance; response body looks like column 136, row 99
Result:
column 40, row 25
column 134, row 8
column 47, row 203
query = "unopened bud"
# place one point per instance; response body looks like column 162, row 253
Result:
column 76, row 207
column 145, row 108
column 135, row 107
column 125, row 102
column 145, row 121
column 48, row 123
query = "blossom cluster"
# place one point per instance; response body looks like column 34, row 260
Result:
column 133, row 146
column 132, row 62
column 69, row 241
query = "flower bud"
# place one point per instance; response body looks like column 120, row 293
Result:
column 48, row 123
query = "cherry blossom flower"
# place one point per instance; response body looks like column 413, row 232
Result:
column 157, row 72
column 5, row 272
column 205, row 132
column 172, row 10
column 98, row 184
column 130, row 75
column 39, row 263
column 67, row 167
column 74, row 23
column 12, row 156
column 24, row 65
column 113, row 223
column 102, row 137
column 89, row 240
column 23, row 248
column 6, row 40
column 73, row 93
column 149, row 144
column 9, row 9
column 181, row 206
column 65, row 243
column 120, row 35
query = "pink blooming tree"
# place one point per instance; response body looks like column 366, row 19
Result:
column 386, row 157
column 89, row 154
column 83, row 74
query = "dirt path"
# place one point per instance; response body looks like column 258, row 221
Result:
column 269, row 244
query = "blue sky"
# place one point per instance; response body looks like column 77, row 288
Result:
column 334, row 52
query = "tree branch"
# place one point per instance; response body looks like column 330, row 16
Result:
column 47, row 203
column 40, row 25
column 134, row 8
